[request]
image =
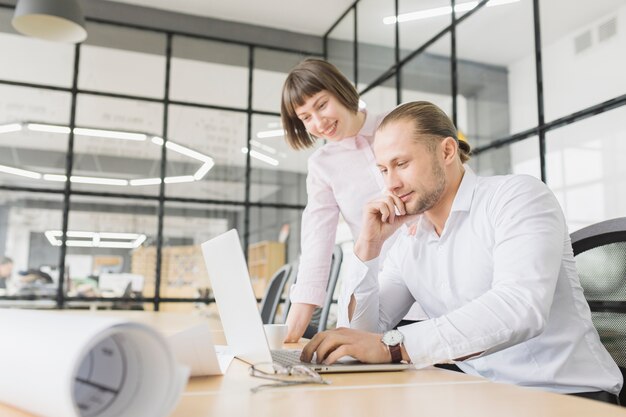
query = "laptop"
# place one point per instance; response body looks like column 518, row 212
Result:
column 240, row 315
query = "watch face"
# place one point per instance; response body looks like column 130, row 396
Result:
column 393, row 338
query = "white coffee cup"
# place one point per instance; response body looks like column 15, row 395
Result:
column 275, row 334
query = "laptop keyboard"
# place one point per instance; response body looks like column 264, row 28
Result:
column 286, row 357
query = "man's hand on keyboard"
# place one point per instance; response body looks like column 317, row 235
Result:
column 329, row 346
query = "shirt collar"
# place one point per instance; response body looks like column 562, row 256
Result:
column 367, row 131
column 465, row 193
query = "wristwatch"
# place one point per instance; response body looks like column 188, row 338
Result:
column 393, row 340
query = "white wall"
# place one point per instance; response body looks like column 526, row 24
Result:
column 584, row 166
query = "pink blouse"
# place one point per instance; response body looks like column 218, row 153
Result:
column 342, row 178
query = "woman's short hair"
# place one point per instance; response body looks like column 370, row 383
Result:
column 430, row 122
column 308, row 78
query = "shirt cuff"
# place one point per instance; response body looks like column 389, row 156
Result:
column 420, row 343
column 359, row 273
column 307, row 294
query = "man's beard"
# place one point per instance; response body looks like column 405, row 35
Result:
column 428, row 199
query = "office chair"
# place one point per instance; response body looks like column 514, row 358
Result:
column 271, row 299
column 600, row 253
column 290, row 281
column 319, row 321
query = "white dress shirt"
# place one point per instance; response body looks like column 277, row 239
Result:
column 501, row 280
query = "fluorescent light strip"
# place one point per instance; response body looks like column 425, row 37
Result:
column 89, row 235
column 97, row 180
column 116, row 235
column 139, row 241
column 12, row 127
column 262, row 157
column 441, row 11
column 145, row 181
column 173, row 146
column 182, row 178
column 51, row 236
column 37, row 127
column 187, row 152
column 54, row 177
column 202, row 171
column 199, row 174
column 111, row 134
column 20, row 172
column 270, row 134
column 95, row 239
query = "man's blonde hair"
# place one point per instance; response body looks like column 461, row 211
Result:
column 431, row 125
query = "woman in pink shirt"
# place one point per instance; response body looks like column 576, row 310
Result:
column 319, row 102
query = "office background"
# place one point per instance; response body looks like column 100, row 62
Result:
column 537, row 87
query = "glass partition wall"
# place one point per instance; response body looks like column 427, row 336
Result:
column 131, row 149
column 534, row 85
column 121, row 155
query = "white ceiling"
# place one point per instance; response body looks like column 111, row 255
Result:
column 496, row 35
column 313, row 17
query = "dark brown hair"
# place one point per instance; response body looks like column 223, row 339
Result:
column 430, row 122
column 308, row 78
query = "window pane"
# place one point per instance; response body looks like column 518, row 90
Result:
column 186, row 227
column 518, row 158
column 278, row 171
column 585, row 168
column 428, row 77
column 522, row 73
column 376, row 40
column 381, row 99
column 24, row 220
column 274, row 240
column 420, row 20
column 341, row 46
column 270, row 70
column 105, row 247
column 486, row 57
column 525, row 157
column 216, row 134
column 29, row 151
column 121, row 60
column 209, row 72
column 23, row 58
column 583, row 52
column 112, row 164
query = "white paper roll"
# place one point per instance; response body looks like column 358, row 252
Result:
column 66, row 365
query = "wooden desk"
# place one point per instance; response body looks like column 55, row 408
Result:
column 428, row 392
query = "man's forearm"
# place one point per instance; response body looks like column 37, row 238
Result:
column 367, row 250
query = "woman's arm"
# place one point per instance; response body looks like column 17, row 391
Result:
column 298, row 320
column 319, row 226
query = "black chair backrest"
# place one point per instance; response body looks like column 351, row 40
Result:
column 319, row 324
column 290, row 281
column 274, row 291
column 600, row 253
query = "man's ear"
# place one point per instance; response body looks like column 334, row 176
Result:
column 450, row 149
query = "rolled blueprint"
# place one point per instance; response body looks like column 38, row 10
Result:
column 54, row 364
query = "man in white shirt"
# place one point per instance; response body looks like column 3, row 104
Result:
column 491, row 264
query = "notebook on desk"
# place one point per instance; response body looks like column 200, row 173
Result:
column 240, row 315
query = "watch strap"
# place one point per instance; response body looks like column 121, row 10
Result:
column 396, row 353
